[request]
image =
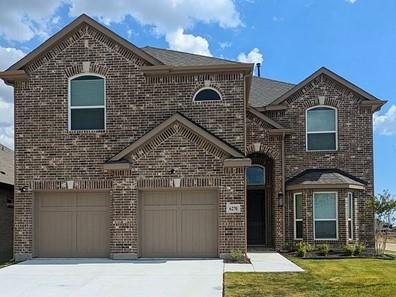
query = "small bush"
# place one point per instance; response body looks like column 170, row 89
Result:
column 323, row 249
column 302, row 248
column 350, row 249
column 360, row 248
column 237, row 255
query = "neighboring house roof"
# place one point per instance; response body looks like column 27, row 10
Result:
column 155, row 135
column 337, row 78
column 325, row 178
column 6, row 165
column 264, row 91
column 176, row 58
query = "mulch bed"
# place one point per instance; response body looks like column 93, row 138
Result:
column 241, row 261
column 341, row 255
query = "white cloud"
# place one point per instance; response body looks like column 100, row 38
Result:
column 351, row 1
column 385, row 124
column 254, row 56
column 188, row 43
column 21, row 20
column 8, row 56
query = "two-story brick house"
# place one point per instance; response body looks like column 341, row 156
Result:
column 129, row 152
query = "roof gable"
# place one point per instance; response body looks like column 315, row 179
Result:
column 340, row 80
column 177, row 124
column 70, row 29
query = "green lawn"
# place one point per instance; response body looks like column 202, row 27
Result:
column 335, row 278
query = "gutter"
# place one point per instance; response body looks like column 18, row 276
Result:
column 283, row 187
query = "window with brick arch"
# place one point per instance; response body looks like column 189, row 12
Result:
column 321, row 128
column 87, row 107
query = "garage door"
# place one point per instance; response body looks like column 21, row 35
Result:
column 179, row 224
column 72, row 225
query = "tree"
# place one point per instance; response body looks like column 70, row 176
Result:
column 384, row 207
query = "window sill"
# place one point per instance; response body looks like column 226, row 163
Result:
column 87, row 131
column 324, row 151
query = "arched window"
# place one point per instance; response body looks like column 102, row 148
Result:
column 255, row 175
column 321, row 129
column 207, row 94
column 87, row 102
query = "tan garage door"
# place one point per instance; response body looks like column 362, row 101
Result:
column 72, row 224
column 179, row 223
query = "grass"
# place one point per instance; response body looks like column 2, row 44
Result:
column 335, row 278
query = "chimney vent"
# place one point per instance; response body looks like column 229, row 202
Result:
column 258, row 65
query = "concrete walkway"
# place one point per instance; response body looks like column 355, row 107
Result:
column 264, row 262
column 105, row 277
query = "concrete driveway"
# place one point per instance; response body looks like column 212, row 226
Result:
column 105, row 277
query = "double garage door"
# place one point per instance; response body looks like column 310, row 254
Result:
column 180, row 223
column 71, row 225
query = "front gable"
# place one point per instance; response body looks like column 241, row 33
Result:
column 336, row 83
column 82, row 26
column 176, row 126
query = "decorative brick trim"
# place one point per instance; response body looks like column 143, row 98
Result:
column 77, row 185
column 257, row 121
column 334, row 85
column 178, row 183
column 193, row 78
column 84, row 30
column 262, row 148
column 234, row 170
column 176, row 129
column 93, row 68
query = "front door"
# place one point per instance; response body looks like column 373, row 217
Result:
column 256, row 232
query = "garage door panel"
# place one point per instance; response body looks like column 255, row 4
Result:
column 160, row 233
column 179, row 223
column 53, row 223
column 92, row 240
column 199, row 238
column 73, row 224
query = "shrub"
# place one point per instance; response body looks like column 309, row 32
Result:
column 323, row 249
column 237, row 255
column 359, row 249
column 350, row 249
column 302, row 248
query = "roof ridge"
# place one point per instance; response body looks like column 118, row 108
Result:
column 199, row 55
column 275, row 80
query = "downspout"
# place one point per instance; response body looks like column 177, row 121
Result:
column 283, row 188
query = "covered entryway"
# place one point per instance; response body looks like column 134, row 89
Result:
column 179, row 223
column 72, row 224
column 259, row 194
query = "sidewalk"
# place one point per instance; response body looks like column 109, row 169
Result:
column 264, row 262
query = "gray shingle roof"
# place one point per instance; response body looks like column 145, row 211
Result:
column 6, row 165
column 176, row 58
column 325, row 177
column 263, row 90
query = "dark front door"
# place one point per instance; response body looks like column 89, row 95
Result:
column 256, row 217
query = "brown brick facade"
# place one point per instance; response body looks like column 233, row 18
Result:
column 48, row 155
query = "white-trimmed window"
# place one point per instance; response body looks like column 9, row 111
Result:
column 325, row 215
column 321, row 128
column 350, row 209
column 298, row 221
column 87, row 102
column 207, row 94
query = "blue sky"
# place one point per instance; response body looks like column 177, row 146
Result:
column 292, row 38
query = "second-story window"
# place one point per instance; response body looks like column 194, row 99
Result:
column 87, row 103
column 207, row 94
column 321, row 125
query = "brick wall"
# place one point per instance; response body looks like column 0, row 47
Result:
column 47, row 154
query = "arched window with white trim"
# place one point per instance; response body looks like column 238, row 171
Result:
column 207, row 94
column 321, row 128
column 87, row 102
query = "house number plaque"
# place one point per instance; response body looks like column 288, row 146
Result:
column 233, row 208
